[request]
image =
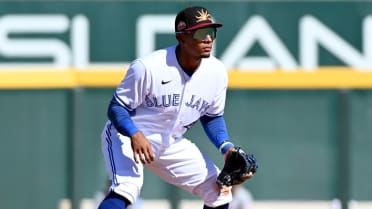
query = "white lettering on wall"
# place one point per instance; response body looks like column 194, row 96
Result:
column 314, row 34
column 62, row 55
column 256, row 29
column 80, row 41
column 367, row 40
column 147, row 28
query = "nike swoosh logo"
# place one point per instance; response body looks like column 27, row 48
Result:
column 165, row 82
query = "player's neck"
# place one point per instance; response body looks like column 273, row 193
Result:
column 188, row 63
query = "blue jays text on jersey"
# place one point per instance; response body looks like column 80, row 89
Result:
column 163, row 101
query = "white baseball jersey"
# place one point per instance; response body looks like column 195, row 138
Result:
column 164, row 102
column 165, row 99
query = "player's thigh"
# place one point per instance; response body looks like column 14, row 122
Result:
column 184, row 165
column 126, row 175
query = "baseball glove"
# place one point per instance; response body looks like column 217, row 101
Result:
column 239, row 166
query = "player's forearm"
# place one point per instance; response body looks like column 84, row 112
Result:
column 120, row 117
column 216, row 130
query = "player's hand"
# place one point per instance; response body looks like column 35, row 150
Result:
column 239, row 167
column 141, row 148
column 227, row 152
column 223, row 188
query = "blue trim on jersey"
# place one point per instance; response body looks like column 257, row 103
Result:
column 120, row 117
column 110, row 153
column 120, row 101
column 215, row 128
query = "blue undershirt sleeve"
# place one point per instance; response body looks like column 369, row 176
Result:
column 216, row 130
column 120, row 117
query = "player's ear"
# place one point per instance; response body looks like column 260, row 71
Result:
column 180, row 38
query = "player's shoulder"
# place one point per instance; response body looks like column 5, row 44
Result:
column 215, row 64
column 215, row 70
column 153, row 61
column 212, row 60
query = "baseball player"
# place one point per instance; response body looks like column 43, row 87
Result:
column 162, row 95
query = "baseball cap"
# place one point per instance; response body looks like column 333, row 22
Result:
column 195, row 17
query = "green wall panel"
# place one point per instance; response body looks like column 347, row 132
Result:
column 292, row 133
column 89, row 117
column 50, row 145
column 33, row 148
column 361, row 145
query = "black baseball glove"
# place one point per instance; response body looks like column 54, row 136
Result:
column 239, row 166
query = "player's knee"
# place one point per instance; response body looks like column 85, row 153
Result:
column 226, row 206
column 114, row 201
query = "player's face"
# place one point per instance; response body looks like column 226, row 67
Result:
column 200, row 42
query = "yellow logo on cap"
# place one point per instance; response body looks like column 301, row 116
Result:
column 203, row 15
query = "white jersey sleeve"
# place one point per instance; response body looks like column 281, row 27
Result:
column 218, row 105
column 134, row 87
